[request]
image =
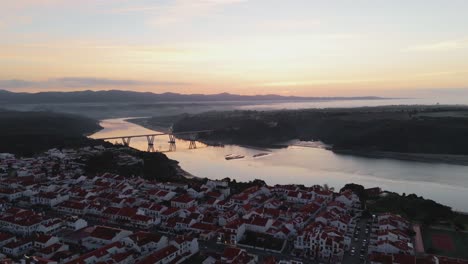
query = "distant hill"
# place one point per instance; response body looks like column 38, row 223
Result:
column 117, row 96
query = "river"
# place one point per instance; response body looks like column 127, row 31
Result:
column 444, row 183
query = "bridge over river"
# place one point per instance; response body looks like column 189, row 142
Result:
column 187, row 135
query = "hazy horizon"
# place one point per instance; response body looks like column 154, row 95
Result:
column 300, row 48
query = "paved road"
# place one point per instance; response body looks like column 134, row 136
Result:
column 360, row 248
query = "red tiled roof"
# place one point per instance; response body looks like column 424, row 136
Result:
column 259, row 221
column 51, row 249
column 105, row 232
column 404, row 259
column 43, row 238
column 102, row 251
column 142, row 238
column 18, row 243
column 159, row 255
column 121, row 256
column 381, row 258
column 170, row 211
column 230, row 253
column 5, row 236
column 141, row 218
column 203, row 227
column 127, row 212
column 185, row 198
column 72, row 205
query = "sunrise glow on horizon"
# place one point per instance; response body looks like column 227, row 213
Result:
column 303, row 47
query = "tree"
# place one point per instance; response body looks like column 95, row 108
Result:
column 359, row 190
column 328, row 188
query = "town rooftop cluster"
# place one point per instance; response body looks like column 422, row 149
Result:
column 51, row 212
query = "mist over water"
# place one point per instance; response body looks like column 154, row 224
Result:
column 444, row 183
column 442, row 100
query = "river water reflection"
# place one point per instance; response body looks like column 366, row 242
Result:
column 444, row 183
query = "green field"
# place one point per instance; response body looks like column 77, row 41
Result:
column 459, row 241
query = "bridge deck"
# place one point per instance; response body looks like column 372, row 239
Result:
column 156, row 134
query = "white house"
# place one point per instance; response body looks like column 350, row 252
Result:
column 11, row 194
column 145, row 242
column 18, row 248
column 185, row 245
column 103, row 235
column 184, row 201
column 389, row 247
column 43, row 241
column 233, row 232
column 259, row 224
column 50, row 199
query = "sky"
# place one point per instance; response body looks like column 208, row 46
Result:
column 294, row 47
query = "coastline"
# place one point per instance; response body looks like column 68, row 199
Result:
column 185, row 174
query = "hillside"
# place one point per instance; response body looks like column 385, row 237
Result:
column 429, row 130
column 26, row 133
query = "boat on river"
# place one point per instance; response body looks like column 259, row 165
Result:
column 232, row 156
column 260, row 155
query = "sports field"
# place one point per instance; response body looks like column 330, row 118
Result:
column 445, row 242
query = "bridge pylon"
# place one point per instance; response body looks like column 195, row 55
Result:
column 172, row 142
column 193, row 141
column 151, row 148
column 126, row 141
column 172, row 147
column 172, row 139
column 150, row 139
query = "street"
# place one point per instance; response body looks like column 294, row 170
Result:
column 359, row 243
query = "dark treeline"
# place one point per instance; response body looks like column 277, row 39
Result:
column 435, row 130
column 27, row 133
column 410, row 206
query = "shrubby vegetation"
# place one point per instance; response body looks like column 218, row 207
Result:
column 410, row 206
column 153, row 166
column 237, row 187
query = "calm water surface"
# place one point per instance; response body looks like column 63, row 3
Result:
column 444, row 183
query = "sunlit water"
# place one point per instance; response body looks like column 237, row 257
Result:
column 444, row 183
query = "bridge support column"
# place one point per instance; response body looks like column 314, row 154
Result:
column 172, row 147
column 151, row 148
column 150, row 140
column 171, row 138
column 126, row 141
column 193, row 142
column 172, row 142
